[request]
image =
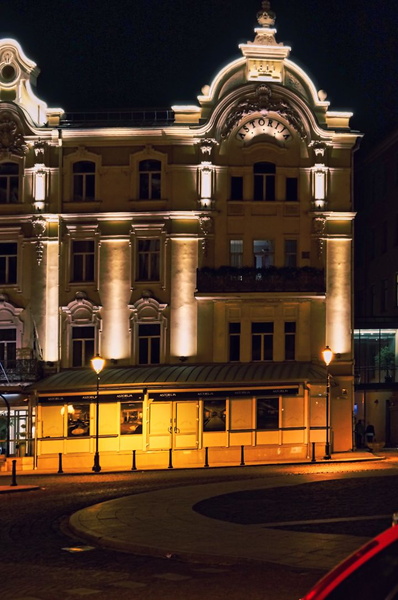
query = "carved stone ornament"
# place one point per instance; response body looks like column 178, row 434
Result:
column 262, row 102
column 266, row 17
column 206, row 145
column 39, row 229
column 11, row 139
column 206, row 225
column 318, row 228
column 39, row 148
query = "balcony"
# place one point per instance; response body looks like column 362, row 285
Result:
column 273, row 279
column 20, row 370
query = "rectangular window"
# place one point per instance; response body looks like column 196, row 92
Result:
column 267, row 413
column 149, row 344
column 8, row 347
column 78, row 420
column 290, row 253
column 131, row 418
column 291, row 189
column 9, row 183
column 234, row 342
column 263, row 251
column 83, row 344
column 8, row 262
column 150, row 179
column 236, row 188
column 83, row 260
column 84, row 181
column 236, row 253
column 262, row 341
column 214, row 415
column 264, row 182
column 148, row 260
column 290, row 340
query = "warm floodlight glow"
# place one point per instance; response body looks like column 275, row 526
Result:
column 327, row 355
column 319, row 185
column 205, row 181
column 40, row 186
column 98, row 363
column 70, row 409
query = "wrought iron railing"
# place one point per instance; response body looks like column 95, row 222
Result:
column 272, row 279
column 20, row 370
column 127, row 118
column 372, row 374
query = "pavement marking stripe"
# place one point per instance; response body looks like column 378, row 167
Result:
column 321, row 521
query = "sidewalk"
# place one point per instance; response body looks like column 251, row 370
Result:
column 164, row 523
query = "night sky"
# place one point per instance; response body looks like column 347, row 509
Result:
column 117, row 54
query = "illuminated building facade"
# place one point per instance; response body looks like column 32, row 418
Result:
column 205, row 252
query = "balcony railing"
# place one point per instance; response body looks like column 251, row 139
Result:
column 145, row 117
column 272, row 279
column 20, row 370
column 370, row 374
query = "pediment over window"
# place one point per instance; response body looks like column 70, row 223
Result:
column 147, row 309
column 81, row 309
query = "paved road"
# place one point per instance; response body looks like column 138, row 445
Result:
column 39, row 563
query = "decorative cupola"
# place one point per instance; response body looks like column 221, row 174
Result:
column 17, row 76
column 264, row 56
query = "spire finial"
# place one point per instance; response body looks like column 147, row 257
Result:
column 266, row 17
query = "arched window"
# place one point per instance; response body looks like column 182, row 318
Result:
column 149, row 326
column 82, row 326
column 150, row 179
column 264, row 181
column 84, row 181
column 9, row 183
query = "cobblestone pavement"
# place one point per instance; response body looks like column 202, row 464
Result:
column 41, row 562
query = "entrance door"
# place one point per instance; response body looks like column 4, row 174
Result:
column 173, row 425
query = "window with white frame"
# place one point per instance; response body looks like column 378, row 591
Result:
column 262, row 341
column 264, row 174
column 263, row 251
column 82, row 260
column 8, row 347
column 9, row 183
column 84, row 181
column 150, row 173
column 8, row 262
column 149, row 343
column 236, row 253
column 148, row 259
column 83, row 345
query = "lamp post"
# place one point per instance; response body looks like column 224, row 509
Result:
column 327, row 357
column 97, row 364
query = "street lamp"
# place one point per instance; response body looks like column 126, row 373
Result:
column 327, row 357
column 98, row 364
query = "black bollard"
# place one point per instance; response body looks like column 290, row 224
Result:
column 313, row 459
column 206, row 457
column 60, row 462
column 134, row 467
column 170, row 459
column 14, row 473
column 242, row 456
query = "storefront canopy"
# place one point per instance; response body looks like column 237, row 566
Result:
column 183, row 376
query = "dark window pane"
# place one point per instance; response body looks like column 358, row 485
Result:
column 144, row 186
column 268, row 347
column 84, row 166
column 262, row 327
column 155, row 351
column 256, row 347
column 267, row 413
column 143, row 351
column 291, row 189
column 258, row 192
column 236, row 188
column 270, row 188
column 214, row 413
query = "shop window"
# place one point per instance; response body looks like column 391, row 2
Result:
column 236, row 253
column 79, row 420
column 148, row 259
column 290, row 253
column 150, row 179
column 264, row 181
column 262, row 341
column 84, row 181
column 236, row 192
column 9, row 183
column 234, row 342
column 83, row 260
column 290, row 340
column 291, row 189
column 263, row 251
column 149, row 344
column 83, row 345
column 241, row 414
column 8, row 262
column 214, row 415
column 8, row 347
column 267, row 413
column 131, row 418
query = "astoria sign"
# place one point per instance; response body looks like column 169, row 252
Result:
column 264, row 125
